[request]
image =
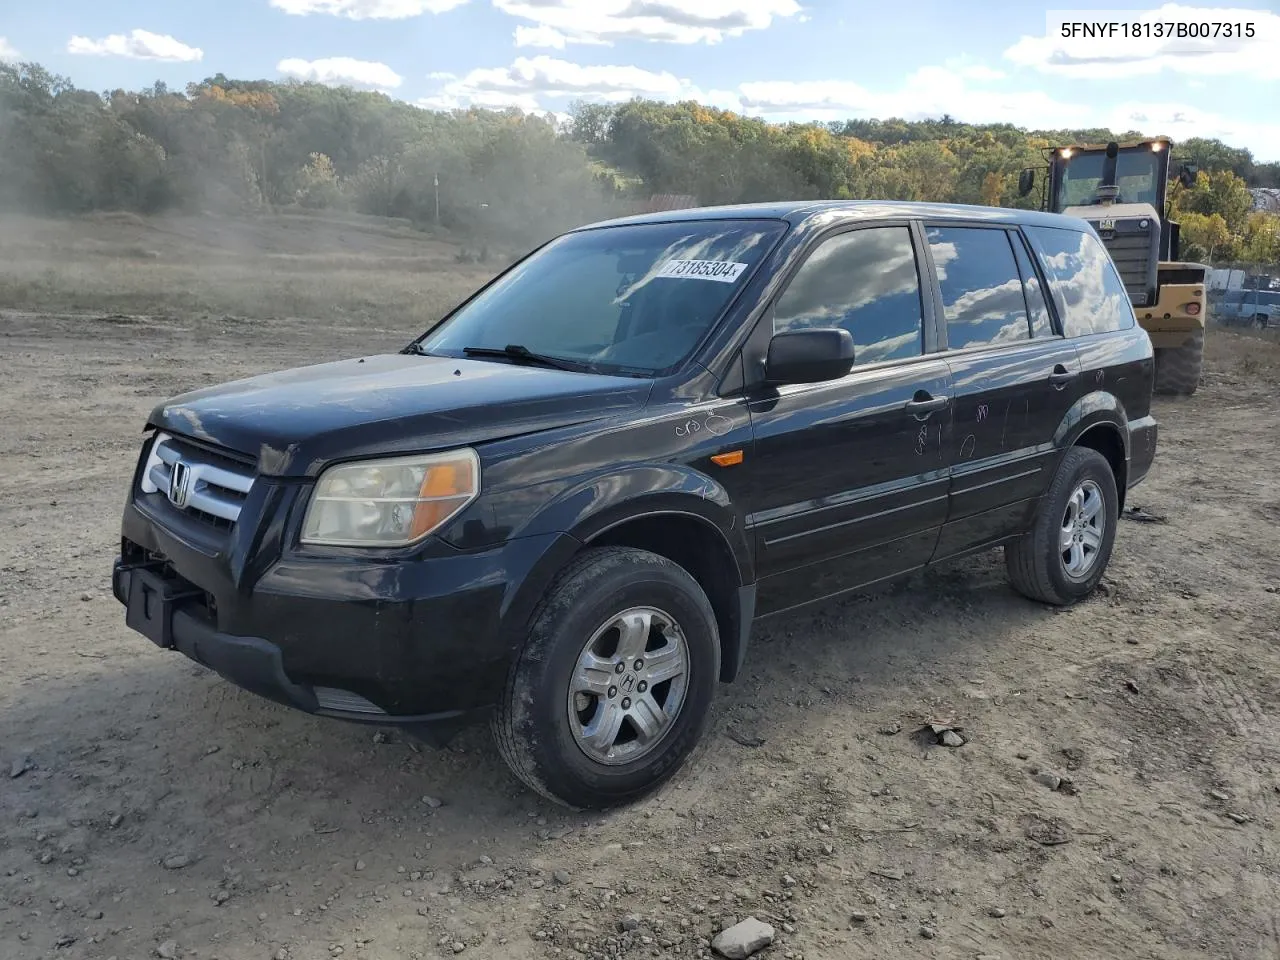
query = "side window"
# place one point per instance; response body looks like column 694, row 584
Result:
column 1037, row 306
column 865, row 281
column 982, row 295
column 1083, row 281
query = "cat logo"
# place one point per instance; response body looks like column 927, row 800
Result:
column 1107, row 223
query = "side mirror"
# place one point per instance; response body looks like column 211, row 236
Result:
column 1026, row 182
column 1187, row 175
column 809, row 356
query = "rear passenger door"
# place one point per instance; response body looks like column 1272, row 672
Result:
column 1014, row 378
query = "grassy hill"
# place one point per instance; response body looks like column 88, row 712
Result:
column 288, row 265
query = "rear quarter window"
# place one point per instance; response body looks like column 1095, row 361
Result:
column 1083, row 281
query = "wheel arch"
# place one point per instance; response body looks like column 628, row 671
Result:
column 1106, row 438
column 1098, row 421
column 672, row 510
column 699, row 547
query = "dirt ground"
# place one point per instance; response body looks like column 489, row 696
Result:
column 143, row 800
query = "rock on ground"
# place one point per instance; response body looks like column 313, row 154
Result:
column 743, row 939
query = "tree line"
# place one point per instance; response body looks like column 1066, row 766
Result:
column 251, row 146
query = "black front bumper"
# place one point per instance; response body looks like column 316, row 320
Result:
column 169, row 611
column 419, row 640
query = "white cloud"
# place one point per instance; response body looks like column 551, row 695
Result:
column 540, row 37
column 366, row 9
column 1106, row 57
column 667, row 21
column 138, row 45
column 485, row 99
column 1181, row 122
column 7, row 50
column 933, row 91
column 966, row 91
column 929, row 92
column 525, row 81
column 979, row 73
column 342, row 71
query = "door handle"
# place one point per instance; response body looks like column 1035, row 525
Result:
column 923, row 404
column 1061, row 376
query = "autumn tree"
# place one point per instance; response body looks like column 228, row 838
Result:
column 1222, row 193
column 1208, row 233
column 245, row 146
column 317, row 183
column 1260, row 242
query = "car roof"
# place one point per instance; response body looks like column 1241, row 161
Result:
column 797, row 212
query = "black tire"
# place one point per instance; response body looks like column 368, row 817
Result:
column 532, row 723
column 1035, row 562
column 1178, row 368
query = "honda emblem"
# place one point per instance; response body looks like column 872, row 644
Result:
column 179, row 484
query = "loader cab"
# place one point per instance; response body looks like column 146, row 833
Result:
column 1096, row 176
column 1121, row 189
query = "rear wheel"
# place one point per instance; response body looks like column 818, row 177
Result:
column 1178, row 368
column 1067, row 551
column 613, row 689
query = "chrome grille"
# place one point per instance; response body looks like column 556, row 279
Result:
column 202, row 483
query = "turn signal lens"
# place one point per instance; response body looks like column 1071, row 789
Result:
column 446, row 488
column 390, row 503
column 1193, row 309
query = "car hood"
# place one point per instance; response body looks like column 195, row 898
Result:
column 295, row 421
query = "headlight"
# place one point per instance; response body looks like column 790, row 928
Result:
column 390, row 503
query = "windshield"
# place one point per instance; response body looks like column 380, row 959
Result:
column 633, row 299
column 1136, row 172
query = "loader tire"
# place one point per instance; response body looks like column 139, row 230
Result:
column 1178, row 368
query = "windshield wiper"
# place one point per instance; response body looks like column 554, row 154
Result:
column 514, row 351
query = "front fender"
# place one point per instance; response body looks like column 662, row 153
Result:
column 594, row 504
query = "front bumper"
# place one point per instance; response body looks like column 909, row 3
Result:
column 411, row 640
column 165, row 610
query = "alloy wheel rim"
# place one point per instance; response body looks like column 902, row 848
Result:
column 1083, row 529
column 628, row 686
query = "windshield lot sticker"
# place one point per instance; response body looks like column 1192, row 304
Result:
column 721, row 271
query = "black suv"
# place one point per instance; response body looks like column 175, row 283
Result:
column 567, row 503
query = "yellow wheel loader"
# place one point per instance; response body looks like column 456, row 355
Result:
column 1120, row 189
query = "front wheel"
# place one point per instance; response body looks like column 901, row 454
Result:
column 614, row 686
column 1063, row 558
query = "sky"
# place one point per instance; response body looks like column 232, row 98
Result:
column 994, row 61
